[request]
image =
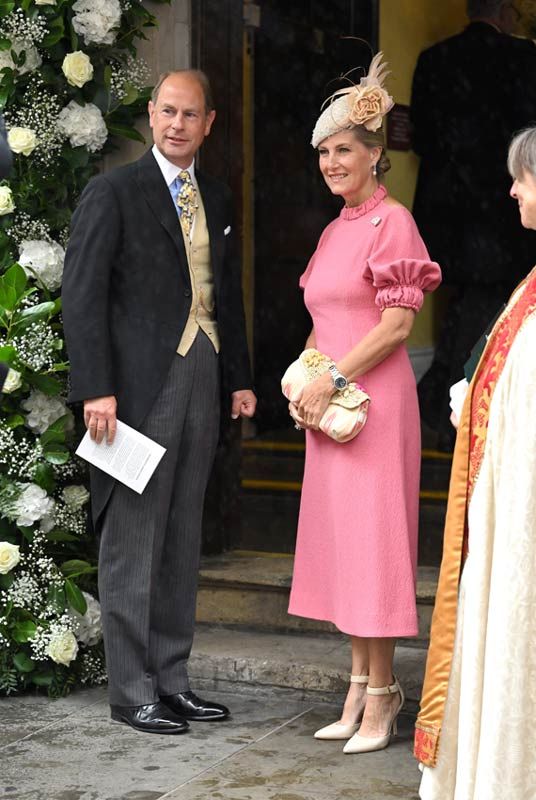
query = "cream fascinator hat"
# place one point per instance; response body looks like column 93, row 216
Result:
column 364, row 104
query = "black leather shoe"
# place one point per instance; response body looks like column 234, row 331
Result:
column 189, row 706
column 152, row 718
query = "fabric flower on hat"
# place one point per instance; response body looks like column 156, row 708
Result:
column 44, row 260
column 83, row 125
column 369, row 107
column 364, row 104
column 96, row 20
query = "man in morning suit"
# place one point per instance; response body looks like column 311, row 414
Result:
column 471, row 93
column 153, row 321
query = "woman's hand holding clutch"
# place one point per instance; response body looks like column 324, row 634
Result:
column 314, row 400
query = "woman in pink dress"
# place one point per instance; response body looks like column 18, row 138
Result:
column 356, row 553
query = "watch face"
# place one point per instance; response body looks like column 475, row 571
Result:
column 340, row 383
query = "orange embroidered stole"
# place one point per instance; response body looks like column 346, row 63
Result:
column 468, row 455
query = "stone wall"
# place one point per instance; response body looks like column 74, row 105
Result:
column 168, row 47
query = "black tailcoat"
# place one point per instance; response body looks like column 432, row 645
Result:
column 127, row 292
column 471, row 93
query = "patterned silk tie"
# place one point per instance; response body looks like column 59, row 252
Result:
column 186, row 201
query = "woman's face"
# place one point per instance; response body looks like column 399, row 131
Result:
column 524, row 191
column 346, row 165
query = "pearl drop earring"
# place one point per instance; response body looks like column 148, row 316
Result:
column 374, row 170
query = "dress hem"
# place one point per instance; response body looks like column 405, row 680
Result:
column 406, row 630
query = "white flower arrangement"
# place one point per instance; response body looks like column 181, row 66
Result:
column 7, row 204
column 9, row 557
column 77, row 68
column 69, row 71
column 96, row 21
column 63, row 647
column 22, row 140
column 84, row 126
column 75, row 496
column 32, row 58
column 32, row 505
column 43, row 260
column 42, row 410
column 88, row 627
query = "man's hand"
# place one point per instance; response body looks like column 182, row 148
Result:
column 244, row 403
column 100, row 418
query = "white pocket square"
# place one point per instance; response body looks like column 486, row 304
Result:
column 227, row 230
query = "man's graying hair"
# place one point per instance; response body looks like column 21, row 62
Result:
column 484, row 8
column 522, row 153
column 199, row 76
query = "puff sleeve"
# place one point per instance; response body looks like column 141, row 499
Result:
column 399, row 265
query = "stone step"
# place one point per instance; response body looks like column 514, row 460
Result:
column 270, row 519
column 251, row 589
column 312, row 667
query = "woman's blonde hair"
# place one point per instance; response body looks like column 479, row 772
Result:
column 373, row 139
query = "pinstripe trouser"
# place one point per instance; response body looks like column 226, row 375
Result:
column 150, row 543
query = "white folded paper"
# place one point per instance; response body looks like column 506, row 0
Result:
column 131, row 459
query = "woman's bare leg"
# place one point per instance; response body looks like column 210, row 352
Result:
column 356, row 697
column 379, row 709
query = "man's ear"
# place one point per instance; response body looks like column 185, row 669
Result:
column 211, row 116
column 150, row 111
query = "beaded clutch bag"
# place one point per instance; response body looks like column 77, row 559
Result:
column 347, row 411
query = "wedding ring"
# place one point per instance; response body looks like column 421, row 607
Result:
column 298, row 427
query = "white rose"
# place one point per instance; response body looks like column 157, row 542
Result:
column 9, row 557
column 75, row 496
column 96, row 20
column 43, row 410
column 77, row 68
column 22, row 140
column 88, row 627
column 32, row 505
column 63, row 648
column 32, row 60
column 83, row 125
column 7, row 206
column 44, row 260
column 12, row 382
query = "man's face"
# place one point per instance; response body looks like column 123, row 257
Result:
column 179, row 119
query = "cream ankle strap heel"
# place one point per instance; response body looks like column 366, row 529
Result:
column 368, row 744
column 338, row 730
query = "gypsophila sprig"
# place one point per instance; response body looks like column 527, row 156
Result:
column 20, row 26
column 124, row 75
column 24, row 226
column 39, row 111
column 38, row 345
column 71, row 84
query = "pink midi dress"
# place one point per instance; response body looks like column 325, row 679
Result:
column 356, row 550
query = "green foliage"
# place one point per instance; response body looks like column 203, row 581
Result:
column 47, row 594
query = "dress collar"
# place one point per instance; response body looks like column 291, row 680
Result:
column 374, row 200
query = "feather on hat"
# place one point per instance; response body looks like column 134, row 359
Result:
column 363, row 104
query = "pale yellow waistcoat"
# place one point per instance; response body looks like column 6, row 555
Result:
column 202, row 311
